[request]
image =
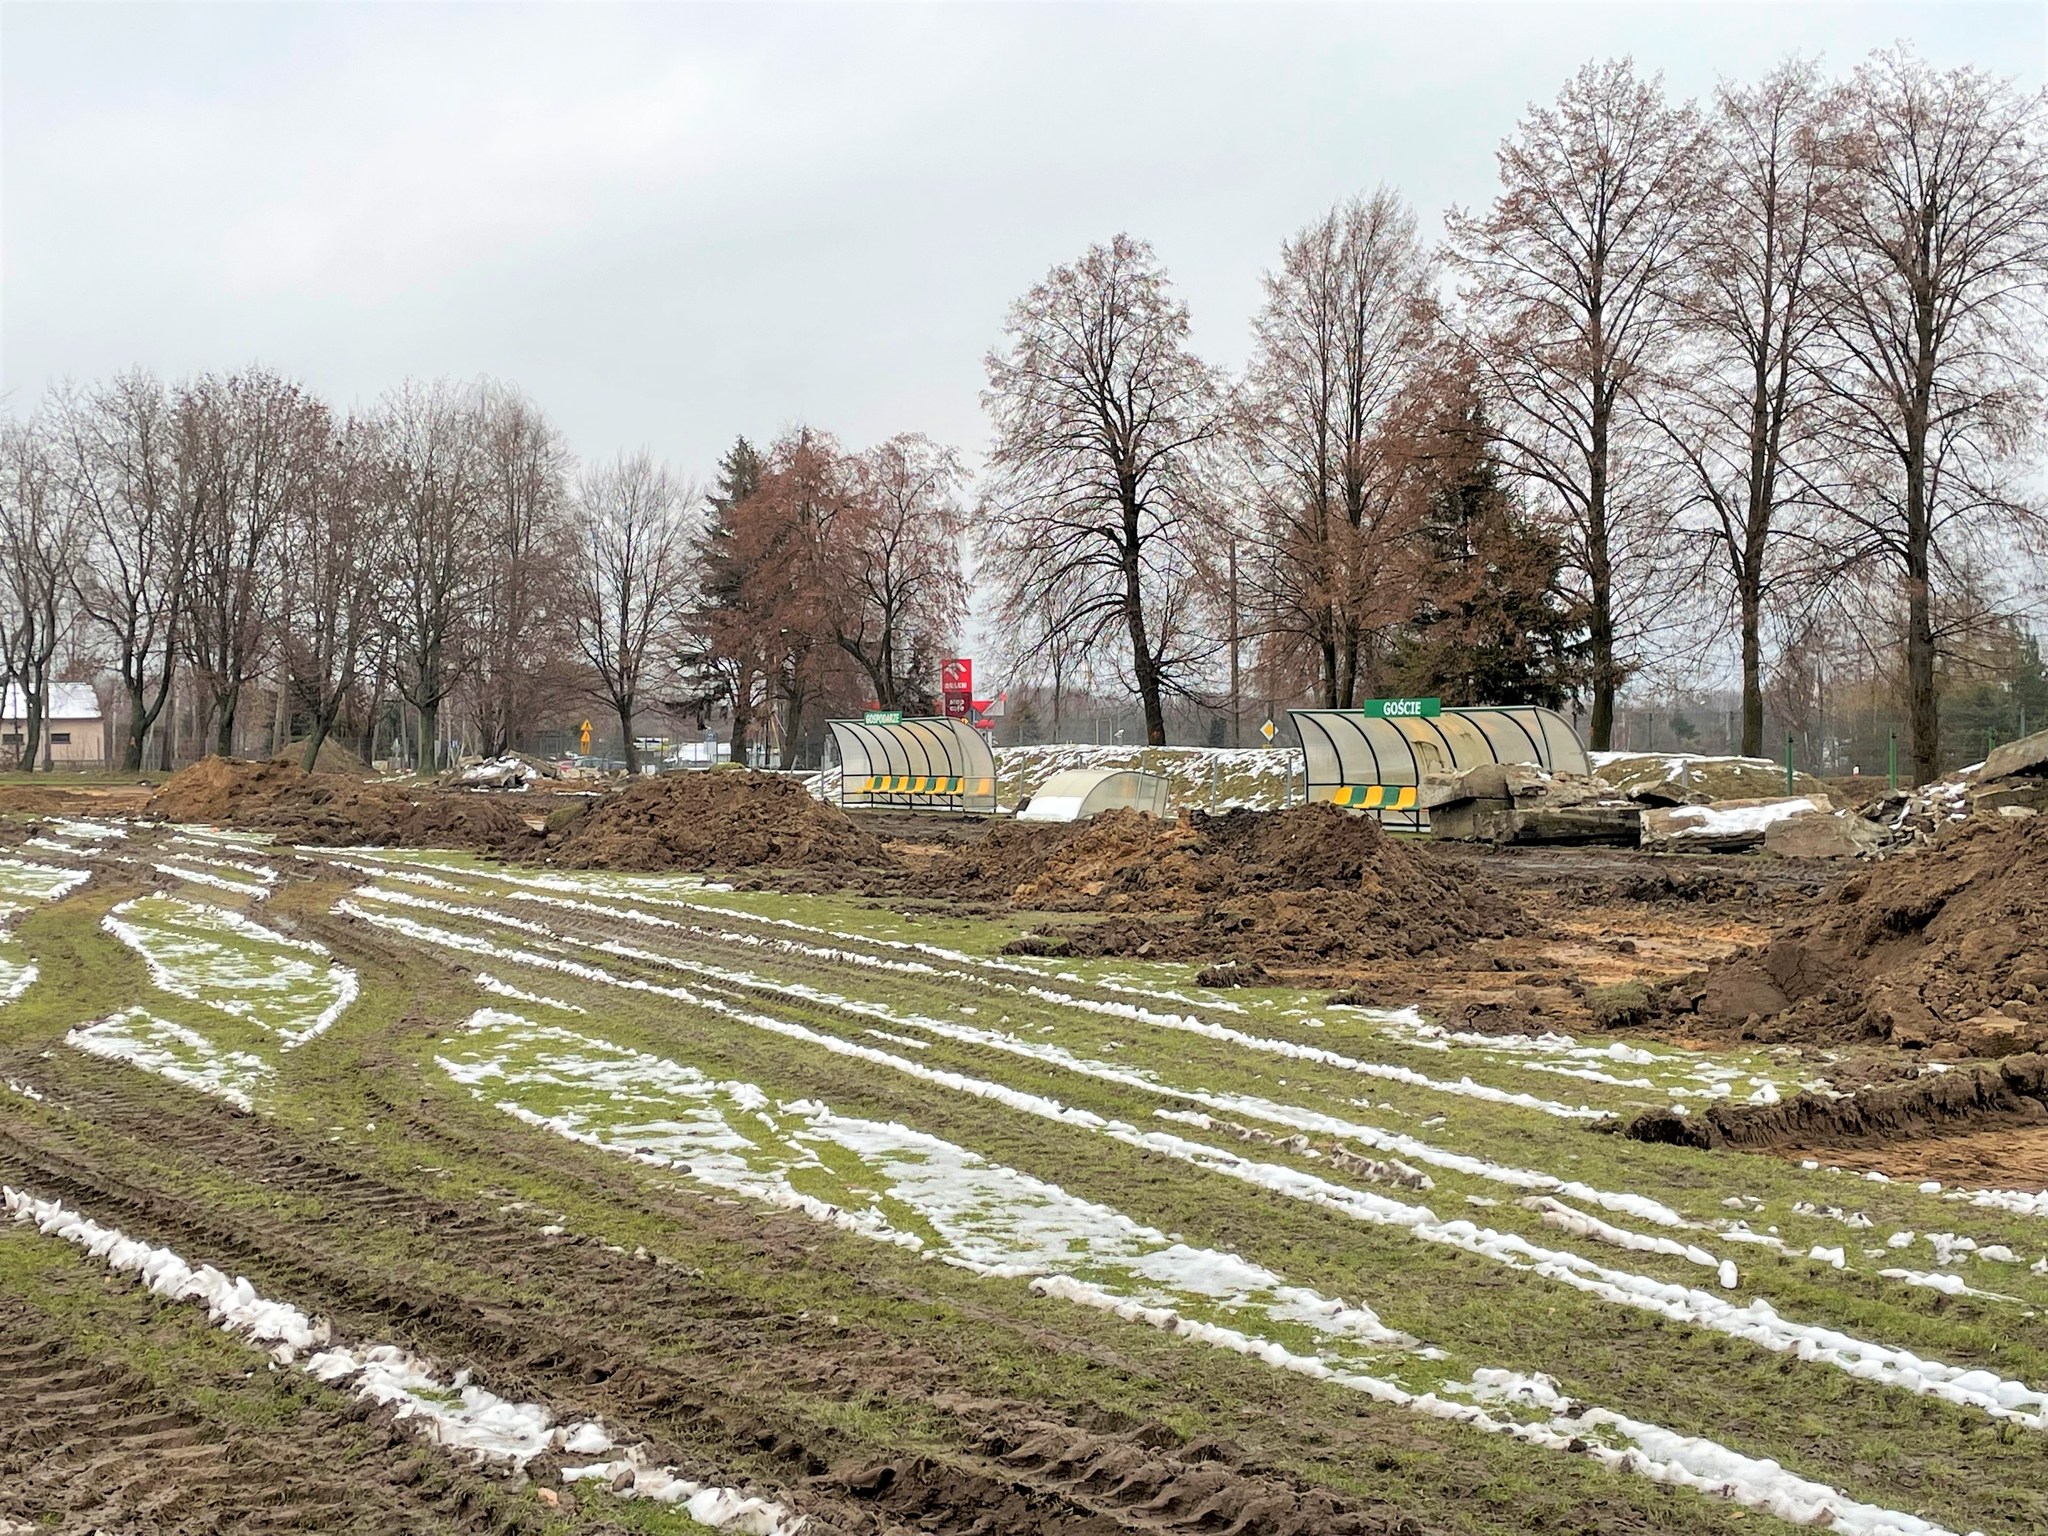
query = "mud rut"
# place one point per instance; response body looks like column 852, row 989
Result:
column 605, row 1342
column 101, row 1443
column 722, row 1387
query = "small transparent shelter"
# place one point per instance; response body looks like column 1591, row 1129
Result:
column 1366, row 763
column 1080, row 793
column 934, row 763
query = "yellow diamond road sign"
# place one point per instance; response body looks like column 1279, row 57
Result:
column 1269, row 730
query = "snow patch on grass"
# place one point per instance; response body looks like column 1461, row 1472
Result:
column 210, row 955
column 880, row 1180
column 453, row 1412
column 172, row 1051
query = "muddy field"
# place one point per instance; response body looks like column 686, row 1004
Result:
column 713, row 1160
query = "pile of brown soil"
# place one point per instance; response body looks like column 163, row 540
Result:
column 328, row 810
column 217, row 789
column 1914, row 949
column 1303, row 886
column 2010, row 1093
column 333, row 758
column 722, row 820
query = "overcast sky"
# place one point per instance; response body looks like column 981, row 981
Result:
column 670, row 224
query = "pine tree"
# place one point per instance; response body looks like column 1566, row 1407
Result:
column 716, row 660
column 1493, row 624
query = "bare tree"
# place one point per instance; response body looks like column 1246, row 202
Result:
column 37, row 550
column 118, row 459
column 332, row 551
column 433, row 564
column 1936, row 258
column 629, row 579
column 1342, row 335
column 1100, row 410
column 251, row 443
column 894, row 558
column 1569, row 282
column 520, row 628
column 1740, row 412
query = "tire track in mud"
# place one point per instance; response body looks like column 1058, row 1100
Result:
column 1014, row 1469
column 579, row 931
column 100, row 1448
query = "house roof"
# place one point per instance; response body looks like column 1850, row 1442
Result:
column 68, row 701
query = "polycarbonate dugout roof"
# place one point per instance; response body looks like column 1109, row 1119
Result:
column 935, row 761
column 1076, row 794
column 1347, row 749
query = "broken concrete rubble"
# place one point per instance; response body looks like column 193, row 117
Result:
column 2028, row 756
column 1521, row 803
column 1840, row 835
column 1725, row 826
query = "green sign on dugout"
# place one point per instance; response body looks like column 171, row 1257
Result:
column 1401, row 709
column 883, row 717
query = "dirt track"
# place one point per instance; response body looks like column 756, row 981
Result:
column 84, row 1434
column 750, row 1347
column 571, row 1323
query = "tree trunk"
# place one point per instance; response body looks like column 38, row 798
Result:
column 316, row 736
column 1752, row 675
column 1144, row 667
column 1600, row 625
column 627, row 750
column 429, row 760
column 224, row 723
column 138, row 728
column 1600, row 575
column 32, row 727
column 1923, row 719
column 281, row 720
column 167, row 707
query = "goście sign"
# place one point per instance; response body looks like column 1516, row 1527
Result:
column 1402, row 709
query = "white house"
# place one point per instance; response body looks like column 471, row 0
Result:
column 75, row 731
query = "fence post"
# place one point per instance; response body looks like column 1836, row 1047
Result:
column 1892, row 756
column 1788, row 762
column 1215, row 769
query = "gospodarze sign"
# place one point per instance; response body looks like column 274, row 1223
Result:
column 1402, row 709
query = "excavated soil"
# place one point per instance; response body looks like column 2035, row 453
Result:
column 1311, row 886
column 717, row 821
column 1941, row 950
column 2012, row 1093
column 329, row 810
column 64, row 798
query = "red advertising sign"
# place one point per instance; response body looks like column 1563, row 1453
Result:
column 956, row 675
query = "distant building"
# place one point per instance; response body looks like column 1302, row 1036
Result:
column 75, row 731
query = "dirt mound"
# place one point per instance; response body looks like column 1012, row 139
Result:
column 330, row 810
column 1301, row 886
column 1941, row 948
column 333, row 758
column 718, row 821
column 216, row 789
column 2007, row 1093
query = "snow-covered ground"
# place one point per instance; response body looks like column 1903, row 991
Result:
column 25, row 884
column 206, row 954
